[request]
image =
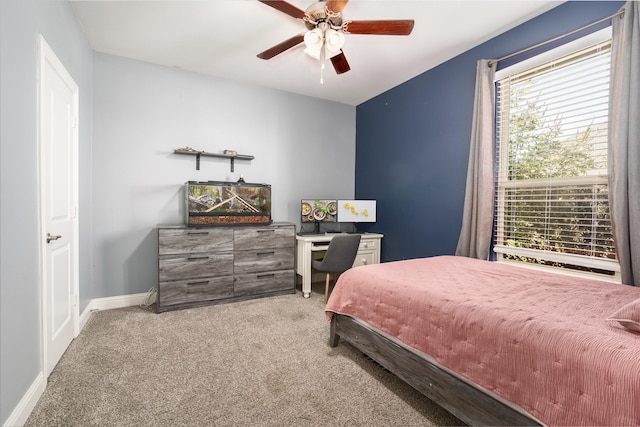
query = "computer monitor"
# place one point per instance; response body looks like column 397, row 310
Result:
column 317, row 211
column 356, row 211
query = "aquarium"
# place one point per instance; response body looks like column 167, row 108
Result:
column 222, row 203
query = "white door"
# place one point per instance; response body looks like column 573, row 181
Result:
column 58, row 131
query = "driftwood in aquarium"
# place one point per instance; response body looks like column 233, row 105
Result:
column 243, row 201
column 230, row 199
column 198, row 202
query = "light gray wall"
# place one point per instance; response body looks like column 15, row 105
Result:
column 132, row 116
column 303, row 147
column 21, row 22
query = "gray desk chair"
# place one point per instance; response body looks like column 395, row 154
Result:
column 339, row 257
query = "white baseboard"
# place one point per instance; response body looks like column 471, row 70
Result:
column 118, row 302
column 22, row 411
column 109, row 303
column 84, row 317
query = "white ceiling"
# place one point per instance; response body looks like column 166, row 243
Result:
column 222, row 38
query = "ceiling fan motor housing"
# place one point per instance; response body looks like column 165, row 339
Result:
column 318, row 13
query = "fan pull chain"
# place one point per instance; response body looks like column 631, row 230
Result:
column 322, row 59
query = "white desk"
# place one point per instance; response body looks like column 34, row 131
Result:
column 308, row 245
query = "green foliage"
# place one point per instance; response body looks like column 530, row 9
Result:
column 535, row 147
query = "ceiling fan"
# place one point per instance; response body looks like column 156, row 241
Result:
column 324, row 37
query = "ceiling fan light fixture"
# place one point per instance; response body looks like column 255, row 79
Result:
column 314, row 53
column 313, row 40
column 334, row 40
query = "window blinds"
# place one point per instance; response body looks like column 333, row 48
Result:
column 551, row 199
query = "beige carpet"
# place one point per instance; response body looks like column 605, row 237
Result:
column 263, row 362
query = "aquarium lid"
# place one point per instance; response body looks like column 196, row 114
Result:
column 228, row 183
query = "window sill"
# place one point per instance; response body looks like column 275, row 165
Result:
column 562, row 271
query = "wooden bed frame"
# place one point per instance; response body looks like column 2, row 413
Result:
column 463, row 399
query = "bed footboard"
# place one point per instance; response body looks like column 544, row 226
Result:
column 464, row 400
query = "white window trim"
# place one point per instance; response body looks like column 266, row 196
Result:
column 550, row 55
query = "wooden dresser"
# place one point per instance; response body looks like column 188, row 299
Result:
column 211, row 265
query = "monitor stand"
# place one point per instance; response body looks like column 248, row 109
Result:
column 316, row 230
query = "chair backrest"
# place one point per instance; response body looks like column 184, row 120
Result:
column 341, row 253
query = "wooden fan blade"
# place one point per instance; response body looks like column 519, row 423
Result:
column 399, row 27
column 340, row 63
column 336, row 5
column 285, row 7
column 281, row 47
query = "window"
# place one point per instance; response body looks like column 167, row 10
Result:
column 551, row 198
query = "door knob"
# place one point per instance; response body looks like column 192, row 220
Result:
column 50, row 237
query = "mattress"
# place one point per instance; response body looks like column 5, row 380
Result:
column 538, row 340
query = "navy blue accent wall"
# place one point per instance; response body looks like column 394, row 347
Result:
column 412, row 142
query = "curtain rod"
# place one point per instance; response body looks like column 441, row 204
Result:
column 493, row 61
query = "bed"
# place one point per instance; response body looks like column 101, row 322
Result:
column 497, row 344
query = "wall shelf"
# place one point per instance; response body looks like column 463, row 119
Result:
column 197, row 154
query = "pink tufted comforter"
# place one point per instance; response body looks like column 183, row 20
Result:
column 539, row 340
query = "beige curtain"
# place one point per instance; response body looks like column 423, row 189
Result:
column 624, row 141
column 477, row 219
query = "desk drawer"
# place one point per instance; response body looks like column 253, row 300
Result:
column 364, row 258
column 368, row 244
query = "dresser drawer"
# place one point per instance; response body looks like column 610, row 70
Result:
column 263, row 260
column 195, row 266
column 261, row 238
column 258, row 283
column 190, row 291
column 181, row 241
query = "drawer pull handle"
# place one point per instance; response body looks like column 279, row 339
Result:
column 265, row 253
column 198, row 232
column 197, row 283
column 197, row 258
column 262, row 276
column 269, row 230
